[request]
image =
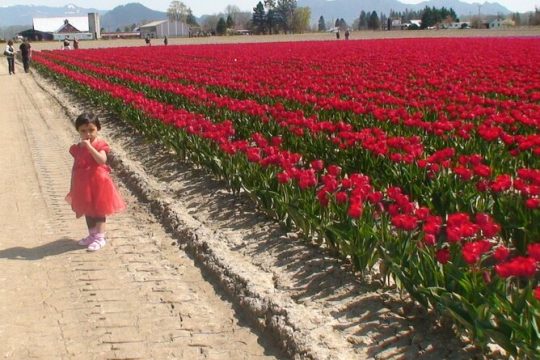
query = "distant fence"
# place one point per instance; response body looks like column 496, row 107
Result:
column 121, row 35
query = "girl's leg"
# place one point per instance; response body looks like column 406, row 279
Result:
column 99, row 237
column 91, row 224
column 100, row 224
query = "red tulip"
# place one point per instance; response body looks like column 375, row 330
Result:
column 501, row 253
column 536, row 293
column 443, row 256
column 518, row 266
column 355, row 210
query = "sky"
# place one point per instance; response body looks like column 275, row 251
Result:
column 202, row 7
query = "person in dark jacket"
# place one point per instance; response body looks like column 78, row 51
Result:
column 26, row 54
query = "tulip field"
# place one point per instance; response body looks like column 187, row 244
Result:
column 418, row 158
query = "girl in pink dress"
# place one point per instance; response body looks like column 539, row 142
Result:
column 93, row 193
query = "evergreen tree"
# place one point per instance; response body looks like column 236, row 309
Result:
column 453, row 15
column 258, row 21
column 191, row 19
column 362, row 21
column 373, row 21
column 285, row 9
column 272, row 21
column 230, row 22
column 221, row 27
column 322, row 24
column 272, row 17
column 432, row 16
column 444, row 13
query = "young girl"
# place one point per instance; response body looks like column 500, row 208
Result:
column 92, row 192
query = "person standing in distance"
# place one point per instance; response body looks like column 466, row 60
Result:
column 26, row 54
column 10, row 54
column 67, row 45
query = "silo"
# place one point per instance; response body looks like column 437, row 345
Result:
column 94, row 25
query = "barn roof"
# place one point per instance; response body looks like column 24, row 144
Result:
column 153, row 23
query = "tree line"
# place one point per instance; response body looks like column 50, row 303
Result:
column 268, row 17
column 275, row 16
column 284, row 16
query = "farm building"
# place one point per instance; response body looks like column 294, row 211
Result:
column 501, row 23
column 456, row 25
column 162, row 28
column 58, row 28
column 413, row 23
column 395, row 24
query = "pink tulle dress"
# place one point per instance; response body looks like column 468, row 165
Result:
column 93, row 192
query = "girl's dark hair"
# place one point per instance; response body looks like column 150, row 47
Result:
column 87, row 118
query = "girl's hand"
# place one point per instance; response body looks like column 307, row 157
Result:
column 86, row 143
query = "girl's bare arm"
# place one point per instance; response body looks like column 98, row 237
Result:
column 99, row 156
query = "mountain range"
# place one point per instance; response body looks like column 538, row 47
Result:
column 125, row 15
column 135, row 13
column 120, row 16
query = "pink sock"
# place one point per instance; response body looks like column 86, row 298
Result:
column 99, row 236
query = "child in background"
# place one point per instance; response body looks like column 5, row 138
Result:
column 93, row 193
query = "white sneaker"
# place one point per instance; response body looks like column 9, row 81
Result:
column 97, row 244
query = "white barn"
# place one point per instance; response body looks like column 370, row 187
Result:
column 80, row 27
column 162, row 28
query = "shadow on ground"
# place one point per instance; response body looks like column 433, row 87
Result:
column 60, row 246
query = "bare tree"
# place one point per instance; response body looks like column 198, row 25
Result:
column 177, row 11
column 209, row 23
column 300, row 21
column 232, row 10
column 242, row 20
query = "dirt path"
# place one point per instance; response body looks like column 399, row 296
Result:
column 137, row 298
